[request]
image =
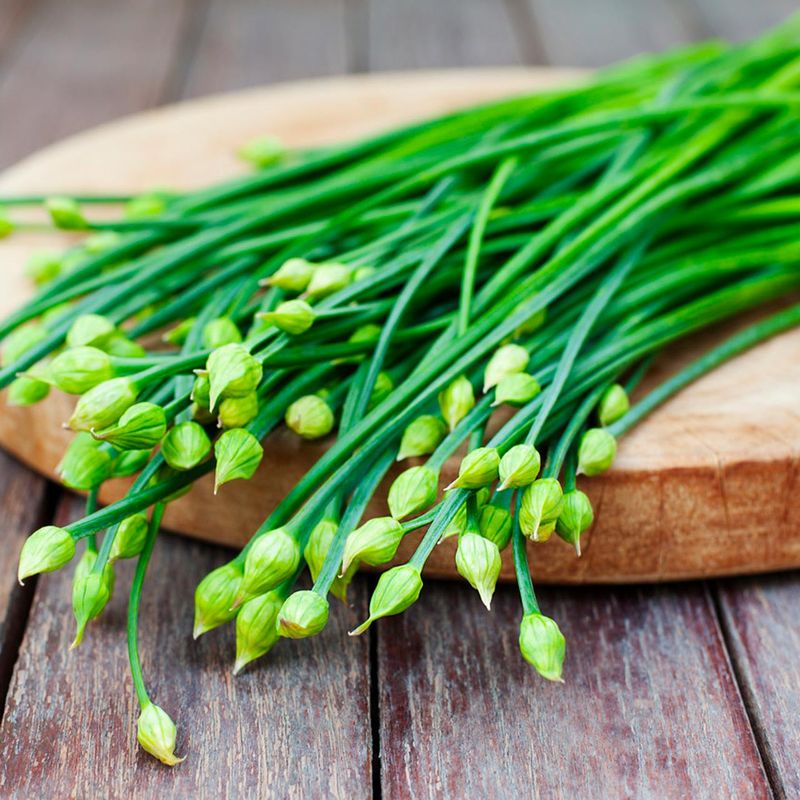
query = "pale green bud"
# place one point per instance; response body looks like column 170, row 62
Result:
column 236, row 412
column 421, row 437
column 361, row 273
column 91, row 592
column 596, row 452
column 232, row 372
column 99, row 243
column 318, row 545
column 121, row 346
column 310, row 417
column 256, row 632
column 542, row 645
column 272, row 559
column 79, row 369
column 129, row 463
column 215, row 596
column 27, row 390
column 519, row 467
column 510, row 359
column 130, row 537
column 145, row 205
column 478, row 561
column 66, row 214
column 327, row 279
column 412, row 491
column 85, row 464
column 575, row 517
column 6, row 225
column 91, row 330
column 304, row 614
column 220, row 331
column 201, row 389
column 374, row 543
column 43, row 267
column 21, row 340
column 185, row 445
column 45, row 550
column 536, row 320
column 156, row 733
column 456, row 401
column 495, row 525
column 540, row 505
column 516, row 390
column 292, row 316
column 265, row 151
column 103, row 404
column 293, row 275
column 384, row 385
column 613, row 405
column 178, row 334
column 141, row 427
column 238, row 455
column 365, row 333
column 478, row 468
column 397, row 589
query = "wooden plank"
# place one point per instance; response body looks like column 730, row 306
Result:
column 760, row 619
column 297, row 726
column 14, row 16
column 742, row 19
column 649, row 709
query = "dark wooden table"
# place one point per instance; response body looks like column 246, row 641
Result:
column 688, row 691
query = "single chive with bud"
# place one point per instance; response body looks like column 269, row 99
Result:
column 81, row 368
column 456, row 401
column 214, row 598
column 292, row 316
column 256, row 632
column 263, row 152
column 45, row 550
column 540, row 506
column 140, row 427
column 421, row 437
column 509, row 359
column 478, row 561
column 232, row 372
column 238, row 454
column 374, row 543
column 185, row 445
column 91, row 592
column 396, row 590
column 156, row 733
column 413, row 490
column 272, row 559
column 66, row 214
column 596, row 452
column 130, row 538
column 304, row 614
column 575, row 517
column 103, row 404
column 310, row 417
column 316, row 550
column 86, row 463
column 236, row 412
column 519, row 467
column 27, row 390
column 613, row 405
column 494, row 523
column 516, row 390
column 478, row 468
column 292, row 276
column 542, row 645
column 220, row 331
column 327, row 279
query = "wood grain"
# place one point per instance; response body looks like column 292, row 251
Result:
column 295, row 726
column 650, row 708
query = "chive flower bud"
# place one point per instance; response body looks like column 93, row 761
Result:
column 516, row 390
column 292, row 316
column 327, row 279
column 236, row 412
column 103, row 404
column 85, row 464
column 374, row 543
column 91, row 592
column 66, row 214
column 365, row 333
column 156, row 733
column 27, row 390
column 540, row 505
column 130, row 538
column 21, row 340
column 6, row 225
column 178, row 334
column 596, row 452
column 232, row 372
column 519, row 467
column 542, row 645
column 421, row 437
column 45, row 550
column 220, row 331
column 575, row 517
column 215, row 596
column 129, row 463
column 397, row 589
column 478, row 562
column 238, row 455
column 272, row 559
column 361, row 273
column 185, row 445
column 456, row 401
column 43, row 267
column 509, row 359
column 145, row 205
column 318, row 544
column 413, row 490
column 304, row 614
column 494, row 523
column 91, row 330
column 256, row 632
column 265, row 151
column 535, row 321
column 141, row 427
column 79, row 369
column 384, row 386
column 99, row 243
column 478, row 468
column 201, row 389
column 293, row 275
column 613, row 405
column 310, row 417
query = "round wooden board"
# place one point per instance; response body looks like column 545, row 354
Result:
column 706, row 486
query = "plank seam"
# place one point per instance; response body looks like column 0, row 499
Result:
column 356, row 31
column 21, row 33
column 527, row 32
column 374, row 708
column 185, row 51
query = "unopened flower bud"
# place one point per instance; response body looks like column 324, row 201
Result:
column 293, row 275
column 66, row 214
column 85, row 464
column 535, row 321
column 516, row 390
column 478, row 561
column 238, row 455
column 79, row 369
column 215, row 596
column 178, row 334
column 43, row 267
column 327, row 279
column 365, row 333
column 91, row 592
column 156, row 733
column 141, row 427
column 310, row 417
column 318, row 544
column 519, row 467
column 495, row 525
column 292, row 316
column 421, row 437
column 129, row 463
column 220, row 331
column 91, row 330
column 304, row 614
column 478, row 468
column 456, row 401
column 232, row 372
column 272, row 559
column 596, row 452
column 103, row 404
column 146, row 205
column 45, row 550
column 256, row 632
column 130, row 537
column 99, row 243
column 412, row 491
column 21, row 340
column 510, row 359
column 200, row 391
column 384, row 385
column 185, row 445
column 575, row 517
column 263, row 152
column 613, row 405
column 540, row 505
column 397, row 589
column 27, row 390
column 374, row 543
column 361, row 273
column 236, row 412
column 542, row 645
column 6, row 225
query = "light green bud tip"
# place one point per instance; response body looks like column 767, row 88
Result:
column 265, row 151
column 178, row 334
column 6, row 225
column 456, row 401
column 384, row 385
column 318, row 544
column 478, row 561
column 86, row 463
column 103, row 405
column 141, row 427
column 79, row 369
column 310, row 417
column 510, row 359
column 495, row 525
column 456, row 524
column 540, row 506
column 185, row 445
column 293, row 275
column 200, row 391
column 374, row 543
column 576, row 516
column 27, row 390
column 236, row 412
column 91, row 330
column 45, row 550
column 519, row 467
column 215, row 596
column 293, row 316
column 91, row 592
column 43, row 267
column 130, row 537
column 238, row 455
column 272, row 559
column 613, row 405
column 516, row 390
column 303, row 614
column 156, row 733
column 147, row 204
column 542, row 645
column 478, row 468
column 422, row 437
column 256, row 632
column 232, row 372
column 412, row 491
column 220, row 331
column 66, row 213
column 596, row 452
column 21, row 340
column 397, row 589
column 365, row 333
column 327, row 279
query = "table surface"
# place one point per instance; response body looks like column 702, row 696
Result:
column 671, row 691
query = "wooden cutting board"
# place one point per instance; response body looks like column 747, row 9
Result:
column 707, row 486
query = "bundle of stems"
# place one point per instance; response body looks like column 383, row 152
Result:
column 534, row 253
